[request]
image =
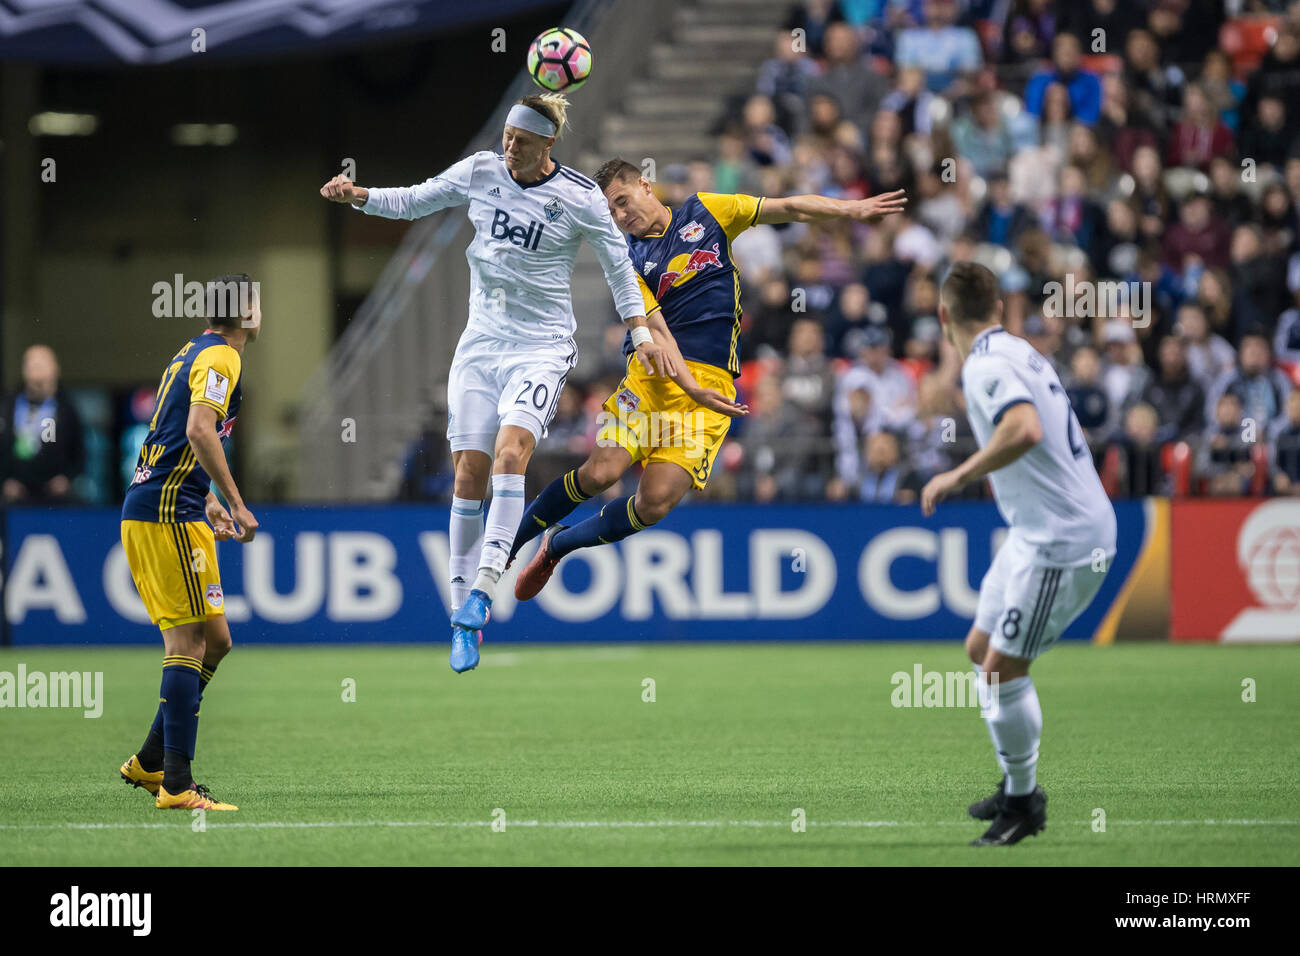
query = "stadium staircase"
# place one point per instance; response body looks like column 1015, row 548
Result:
column 664, row 73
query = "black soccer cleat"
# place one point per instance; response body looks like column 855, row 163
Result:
column 988, row 808
column 1017, row 818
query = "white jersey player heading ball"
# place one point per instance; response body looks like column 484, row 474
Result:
column 1062, row 536
column 530, row 214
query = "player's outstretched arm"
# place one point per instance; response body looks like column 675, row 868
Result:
column 709, row 398
column 449, row 188
column 814, row 208
column 1019, row 430
column 201, row 430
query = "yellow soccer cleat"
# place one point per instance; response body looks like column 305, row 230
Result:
column 196, row 798
column 137, row 776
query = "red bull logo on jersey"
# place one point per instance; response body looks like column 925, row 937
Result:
column 691, row 232
column 683, row 267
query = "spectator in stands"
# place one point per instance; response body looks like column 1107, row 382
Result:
column 1124, row 375
column 42, row 448
column 1209, row 355
column 983, row 136
column 933, row 435
column 1155, row 91
column 1088, row 399
column 1114, row 18
column 1001, row 220
column 1278, row 221
column 851, row 427
column 1278, row 73
column 783, row 458
column 1197, row 235
column 1027, row 32
column 1141, row 472
column 1230, row 204
column 848, row 77
column 1222, row 88
column 853, row 310
column 911, row 101
column 1286, row 455
column 1083, row 87
column 1224, row 457
column 768, row 144
column 807, row 382
column 1260, row 389
column 785, row 78
column 893, row 397
column 1286, row 341
column 1258, row 281
column 885, row 478
column 1267, row 141
column 1199, row 135
column 947, row 52
column 1176, row 397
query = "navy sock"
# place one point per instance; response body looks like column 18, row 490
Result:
column 150, row 754
column 616, row 521
column 556, row 500
column 151, row 751
column 180, row 707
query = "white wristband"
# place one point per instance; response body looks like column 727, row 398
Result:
column 640, row 335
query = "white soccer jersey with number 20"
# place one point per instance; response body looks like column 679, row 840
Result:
column 526, row 238
column 1050, row 496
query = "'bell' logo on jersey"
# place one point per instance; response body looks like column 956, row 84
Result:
column 683, row 267
column 516, row 235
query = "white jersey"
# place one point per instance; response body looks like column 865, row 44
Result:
column 526, row 239
column 1050, row 496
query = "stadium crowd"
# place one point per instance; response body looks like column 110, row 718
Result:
column 1147, row 142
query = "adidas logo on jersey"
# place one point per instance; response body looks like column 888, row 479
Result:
column 516, row 235
column 495, row 192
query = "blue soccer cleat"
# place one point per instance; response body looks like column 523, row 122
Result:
column 473, row 614
column 464, row 649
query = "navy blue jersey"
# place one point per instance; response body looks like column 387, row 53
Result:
column 169, row 484
column 688, row 272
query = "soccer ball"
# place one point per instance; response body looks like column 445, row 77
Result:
column 559, row 59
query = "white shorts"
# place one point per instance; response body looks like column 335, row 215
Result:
column 495, row 382
column 1025, row 606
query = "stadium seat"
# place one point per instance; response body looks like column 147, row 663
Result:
column 1176, row 461
column 1259, row 458
column 1110, row 471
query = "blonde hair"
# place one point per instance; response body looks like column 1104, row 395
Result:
column 554, row 106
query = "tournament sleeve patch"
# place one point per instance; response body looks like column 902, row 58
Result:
column 218, row 387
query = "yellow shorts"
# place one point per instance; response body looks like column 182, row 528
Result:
column 656, row 421
column 174, row 566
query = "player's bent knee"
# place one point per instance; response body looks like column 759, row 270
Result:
column 1004, row 666
column 977, row 645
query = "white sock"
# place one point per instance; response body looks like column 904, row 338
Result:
column 465, row 537
column 1016, row 730
column 979, row 681
column 503, row 518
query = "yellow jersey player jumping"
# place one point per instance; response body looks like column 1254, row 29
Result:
column 683, row 258
column 171, row 521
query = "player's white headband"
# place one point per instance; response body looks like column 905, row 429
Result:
column 525, row 117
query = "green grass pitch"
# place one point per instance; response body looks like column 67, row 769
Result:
column 711, row 772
